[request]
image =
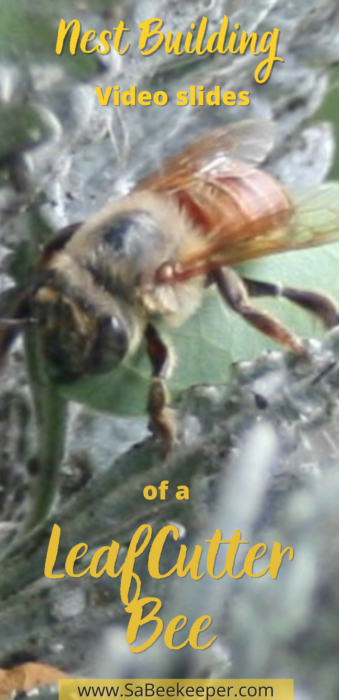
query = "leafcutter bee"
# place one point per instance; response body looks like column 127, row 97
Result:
column 103, row 286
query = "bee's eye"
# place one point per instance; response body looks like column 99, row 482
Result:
column 111, row 344
column 116, row 330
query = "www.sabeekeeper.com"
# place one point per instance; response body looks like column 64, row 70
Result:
column 169, row 688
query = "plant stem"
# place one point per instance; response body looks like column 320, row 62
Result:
column 51, row 413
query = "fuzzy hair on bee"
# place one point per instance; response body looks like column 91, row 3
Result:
column 98, row 294
column 106, row 285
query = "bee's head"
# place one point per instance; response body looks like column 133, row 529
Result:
column 77, row 339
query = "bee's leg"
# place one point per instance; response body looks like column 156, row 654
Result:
column 318, row 304
column 162, row 420
column 233, row 289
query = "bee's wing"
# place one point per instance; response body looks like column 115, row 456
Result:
column 234, row 150
column 316, row 219
column 243, row 212
column 312, row 221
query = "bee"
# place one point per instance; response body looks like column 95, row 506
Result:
column 106, row 285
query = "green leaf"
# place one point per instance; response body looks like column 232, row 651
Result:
column 122, row 391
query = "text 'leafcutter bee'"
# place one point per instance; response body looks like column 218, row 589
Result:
column 103, row 285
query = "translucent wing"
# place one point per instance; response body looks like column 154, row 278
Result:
column 313, row 221
column 243, row 213
column 234, row 149
column 316, row 219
